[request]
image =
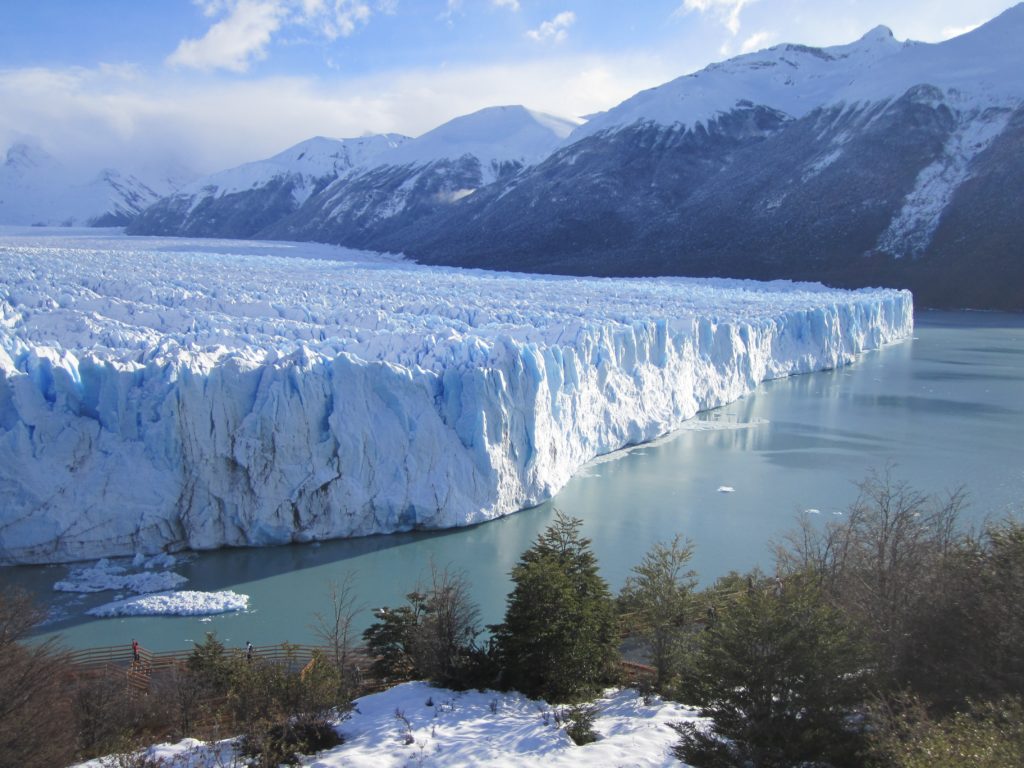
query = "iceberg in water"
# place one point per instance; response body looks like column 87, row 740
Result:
column 184, row 603
column 160, row 394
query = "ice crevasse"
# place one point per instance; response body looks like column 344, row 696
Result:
column 160, row 394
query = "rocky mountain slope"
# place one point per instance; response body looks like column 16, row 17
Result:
column 358, row 188
column 875, row 163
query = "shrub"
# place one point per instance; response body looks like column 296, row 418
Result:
column 284, row 742
column 779, row 672
column 966, row 636
column 579, row 720
column 989, row 735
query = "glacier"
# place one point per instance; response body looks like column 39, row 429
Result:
column 158, row 394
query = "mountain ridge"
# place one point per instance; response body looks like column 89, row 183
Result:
column 853, row 164
column 36, row 189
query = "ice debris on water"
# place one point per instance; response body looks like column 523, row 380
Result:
column 183, row 603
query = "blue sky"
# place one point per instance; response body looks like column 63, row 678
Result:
column 211, row 83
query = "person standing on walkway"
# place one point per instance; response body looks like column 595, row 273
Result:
column 135, row 651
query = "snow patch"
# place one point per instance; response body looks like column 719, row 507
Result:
column 911, row 231
column 446, row 728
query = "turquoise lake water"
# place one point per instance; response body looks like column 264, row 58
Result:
column 945, row 409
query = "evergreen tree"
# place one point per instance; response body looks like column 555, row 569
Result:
column 658, row 602
column 559, row 639
column 779, row 673
column 390, row 640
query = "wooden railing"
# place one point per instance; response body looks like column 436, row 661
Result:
column 117, row 661
column 123, row 655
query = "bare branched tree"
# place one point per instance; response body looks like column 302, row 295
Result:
column 449, row 626
column 335, row 628
column 34, row 710
column 882, row 558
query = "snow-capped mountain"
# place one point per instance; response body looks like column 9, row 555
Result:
column 502, row 139
column 877, row 162
column 35, row 188
column 352, row 185
column 241, row 201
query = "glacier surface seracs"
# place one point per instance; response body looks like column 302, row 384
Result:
column 158, row 394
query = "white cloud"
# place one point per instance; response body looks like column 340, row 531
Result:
column 757, row 41
column 233, row 42
column 130, row 120
column 727, row 11
column 211, row 7
column 451, row 8
column 554, row 30
column 248, row 27
column 510, row 4
column 341, row 18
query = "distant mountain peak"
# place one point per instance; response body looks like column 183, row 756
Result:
column 985, row 64
column 881, row 33
column 26, row 155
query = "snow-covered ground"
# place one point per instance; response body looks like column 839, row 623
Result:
column 444, row 728
column 159, row 393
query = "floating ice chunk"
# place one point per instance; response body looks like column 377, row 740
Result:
column 812, row 511
column 162, row 560
column 104, row 576
column 185, row 603
column 726, row 489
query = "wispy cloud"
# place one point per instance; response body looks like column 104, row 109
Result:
column 727, row 11
column 510, row 4
column 757, row 41
column 554, row 30
column 339, row 19
column 950, row 32
column 451, row 7
column 248, row 27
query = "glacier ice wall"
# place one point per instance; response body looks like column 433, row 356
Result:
column 160, row 394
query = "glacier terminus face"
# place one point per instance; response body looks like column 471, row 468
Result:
column 161, row 394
